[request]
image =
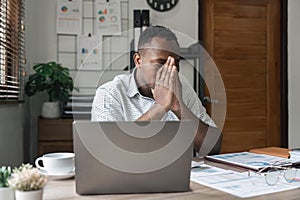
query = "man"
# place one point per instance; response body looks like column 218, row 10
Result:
column 154, row 91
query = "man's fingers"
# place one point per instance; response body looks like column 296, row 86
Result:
column 152, row 91
column 158, row 75
column 168, row 75
column 172, row 80
column 172, row 61
column 165, row 69
column 165, row 75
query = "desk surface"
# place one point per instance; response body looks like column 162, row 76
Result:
column 65, row 189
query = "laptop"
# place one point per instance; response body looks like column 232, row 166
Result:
column 132, row 157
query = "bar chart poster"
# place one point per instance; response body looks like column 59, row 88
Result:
column 89, row 53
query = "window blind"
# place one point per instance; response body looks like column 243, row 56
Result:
column 12, row 50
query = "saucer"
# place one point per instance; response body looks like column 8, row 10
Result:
column 57, row 176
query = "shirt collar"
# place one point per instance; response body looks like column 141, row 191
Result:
column 132, row 90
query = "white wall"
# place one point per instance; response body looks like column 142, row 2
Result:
column 40, row 43
column 183, row 19
column 11, row 134
column 41, row 38
column 41, row 46
column 40, row 31
column 294, row 72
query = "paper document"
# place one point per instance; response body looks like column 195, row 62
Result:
column 239, row 184
column 206, row 170
column 89, row 52
column 108, row 17
column 69, row 16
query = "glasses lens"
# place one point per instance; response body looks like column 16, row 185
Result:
column 272, row 176
column 290, row 175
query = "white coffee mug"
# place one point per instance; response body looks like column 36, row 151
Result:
column 56, row 163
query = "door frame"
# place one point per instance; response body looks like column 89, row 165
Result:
column 283, row 65
column 283, row 76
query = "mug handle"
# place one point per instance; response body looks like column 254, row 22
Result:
column 37, row 163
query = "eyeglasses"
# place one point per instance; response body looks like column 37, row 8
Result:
column 273, row 172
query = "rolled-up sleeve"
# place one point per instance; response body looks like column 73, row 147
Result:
column 194, row 104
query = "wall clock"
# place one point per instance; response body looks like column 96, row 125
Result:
column 162, row 5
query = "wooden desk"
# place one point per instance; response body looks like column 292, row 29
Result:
column 65, row 189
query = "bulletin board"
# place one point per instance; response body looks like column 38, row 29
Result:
column 68, row 47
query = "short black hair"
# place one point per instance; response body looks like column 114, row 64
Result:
column 155, row 31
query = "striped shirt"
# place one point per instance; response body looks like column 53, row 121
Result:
column 120, row 100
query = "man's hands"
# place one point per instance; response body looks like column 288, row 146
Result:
column 167, row 92
column 177, row 101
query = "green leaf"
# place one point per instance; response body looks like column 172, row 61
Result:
column 5, row 174
column 52, row 78
column 44, row 70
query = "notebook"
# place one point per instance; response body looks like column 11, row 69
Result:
column 251, row 160
column 273, row 151
column 132, row 157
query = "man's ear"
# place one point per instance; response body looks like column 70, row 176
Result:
column 137, row 60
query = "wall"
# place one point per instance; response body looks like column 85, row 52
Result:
column 41, row 46
column 42, row 38
column 293, row 72
column 11, row 134
column 182, row 19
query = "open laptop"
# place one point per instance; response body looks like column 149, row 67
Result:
column 132, row 157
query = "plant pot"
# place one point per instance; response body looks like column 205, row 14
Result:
column 51, row 110
column 29, row 195
column 7, row 193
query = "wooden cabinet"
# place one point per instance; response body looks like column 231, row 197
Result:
column 54, row 135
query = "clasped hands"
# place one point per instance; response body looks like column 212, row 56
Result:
column 167, row 91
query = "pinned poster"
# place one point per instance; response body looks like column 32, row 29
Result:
column 69, row 16
column 89, row 53
column 108, row 17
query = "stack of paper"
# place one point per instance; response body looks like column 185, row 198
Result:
column 295, row 154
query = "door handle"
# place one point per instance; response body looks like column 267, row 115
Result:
column 210, row 100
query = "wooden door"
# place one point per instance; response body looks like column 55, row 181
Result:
column 243, row 37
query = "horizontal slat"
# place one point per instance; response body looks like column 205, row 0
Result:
column 237, row 81
column 8, row 97
column 10, row 89
column 243, row 141
column 242, row 67
column 234, row 38
column 239, row 11
column 233, row 110
column 12, row 86
column 240, row 52
column 242, row 124
column 243, row 24
column 233, row 96
column 11, row 50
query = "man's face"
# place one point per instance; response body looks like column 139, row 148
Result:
column 154, row 57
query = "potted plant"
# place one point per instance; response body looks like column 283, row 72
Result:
column 27, row 182
column 54, row 79
column 5, row 192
